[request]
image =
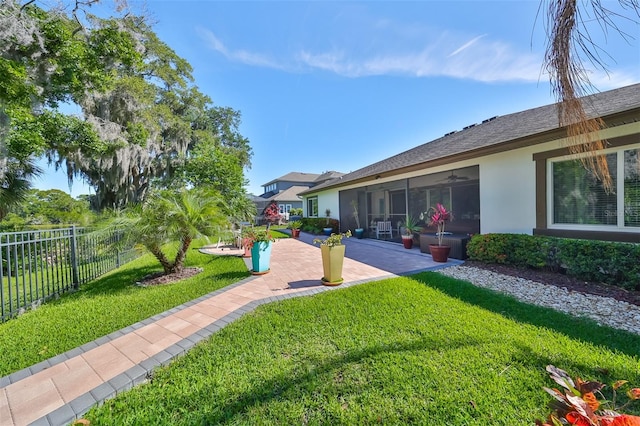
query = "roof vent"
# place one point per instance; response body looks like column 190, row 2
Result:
column 489, row 119
column 469, row 126
column 450, row 133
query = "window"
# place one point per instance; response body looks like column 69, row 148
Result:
column 312, row 207
column 578, row 198
column 632, row 188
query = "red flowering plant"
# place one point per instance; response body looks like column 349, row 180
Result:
column 579, row 405
column 438, row 216
column 271, row 214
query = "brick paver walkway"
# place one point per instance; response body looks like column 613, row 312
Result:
column 63, row 388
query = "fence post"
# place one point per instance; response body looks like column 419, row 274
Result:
column 74, row 258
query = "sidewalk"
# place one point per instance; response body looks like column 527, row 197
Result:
column 63, row 388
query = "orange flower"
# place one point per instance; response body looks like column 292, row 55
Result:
column 634, row 393
column 591, row 400
column 623, row 420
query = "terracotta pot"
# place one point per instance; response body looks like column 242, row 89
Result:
column 407, row 241
column 439, row 253
column 295, row 233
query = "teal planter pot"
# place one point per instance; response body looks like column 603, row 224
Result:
column 260, row 257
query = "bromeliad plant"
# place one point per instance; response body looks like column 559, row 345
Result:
column 250, row 236
column 438, row 216
column 579, row 405
column 333, row 239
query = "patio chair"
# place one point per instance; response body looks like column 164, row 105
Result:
column 384, row 228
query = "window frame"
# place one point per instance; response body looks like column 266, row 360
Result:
column 310, row 210
column 619, row 226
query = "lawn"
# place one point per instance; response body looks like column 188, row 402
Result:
column 425, row 349
column 108, row 304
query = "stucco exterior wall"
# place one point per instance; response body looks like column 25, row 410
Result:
column 508, row 193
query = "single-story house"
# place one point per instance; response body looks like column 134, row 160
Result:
column 508, row 174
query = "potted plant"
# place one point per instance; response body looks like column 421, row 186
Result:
column 332, row 251
column 409, row 226
column 438, row 216
column 359, row 231
column 246, row 241
column 327, row 229
column 259, row 242
column 295, row 228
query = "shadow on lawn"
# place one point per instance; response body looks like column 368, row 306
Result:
column 577, row 328
column 123, row 280
column 290, row 387
column 312, row 384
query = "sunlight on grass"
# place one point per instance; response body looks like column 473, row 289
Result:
column 105, row 305
column 396, row 351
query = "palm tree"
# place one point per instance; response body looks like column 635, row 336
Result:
column 15, row 181
column 173, row 217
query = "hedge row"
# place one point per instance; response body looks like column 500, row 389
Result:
column 598, row 261
column 315, row 225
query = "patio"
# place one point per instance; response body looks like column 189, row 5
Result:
column 64, row 387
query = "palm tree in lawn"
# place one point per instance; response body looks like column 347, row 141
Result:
column 15, row 181
column 169, row 219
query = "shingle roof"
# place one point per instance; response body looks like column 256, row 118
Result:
column 295, row 177
column 289, row 194
column 494, row 132
column 328, row 176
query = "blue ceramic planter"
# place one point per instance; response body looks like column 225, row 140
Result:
column 260, row 257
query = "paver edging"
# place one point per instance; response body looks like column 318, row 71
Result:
column 142, row 372
column 71, row 353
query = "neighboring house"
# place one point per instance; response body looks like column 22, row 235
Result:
column 509, row 174
column 285, row 189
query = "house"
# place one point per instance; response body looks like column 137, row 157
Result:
column 285, row 189
column 507, row 174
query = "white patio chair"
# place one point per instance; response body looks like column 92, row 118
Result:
column 384, row 228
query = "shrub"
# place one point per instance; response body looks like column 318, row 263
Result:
column 315, row 225
column 599, row 261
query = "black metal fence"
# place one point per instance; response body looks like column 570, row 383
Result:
column 37, row 265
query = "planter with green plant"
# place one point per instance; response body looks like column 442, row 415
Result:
column 359, row 231
column 327, row 229
column 295, row 228
column 438, row 217
column 259, row 242
column 332, row 251
column 409, row 227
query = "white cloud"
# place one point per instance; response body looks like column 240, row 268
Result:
column 242, row 56
column 442, row 55
column 466, row 45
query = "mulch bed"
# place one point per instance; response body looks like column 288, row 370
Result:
column 159, row 278
column 561, row 280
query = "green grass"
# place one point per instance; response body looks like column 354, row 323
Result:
column 425, row 349
column 105, row 305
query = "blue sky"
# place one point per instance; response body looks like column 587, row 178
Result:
column 329, row 85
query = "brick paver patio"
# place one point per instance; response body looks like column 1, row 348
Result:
column 63, row 388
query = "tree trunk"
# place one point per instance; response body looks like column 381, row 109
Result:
column 178, row 264
column 166, row 265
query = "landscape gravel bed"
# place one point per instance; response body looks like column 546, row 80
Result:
column 603, row 310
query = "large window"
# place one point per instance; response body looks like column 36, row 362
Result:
column 579, row 198
column 312, row 207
